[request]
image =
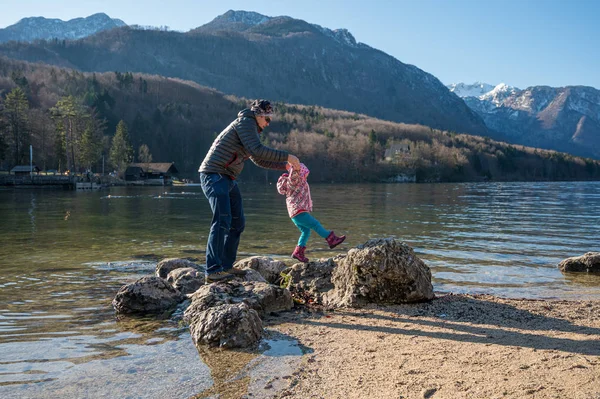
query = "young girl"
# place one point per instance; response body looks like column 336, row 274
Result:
column 299, row 205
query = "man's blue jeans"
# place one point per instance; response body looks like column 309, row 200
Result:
column 228, row 220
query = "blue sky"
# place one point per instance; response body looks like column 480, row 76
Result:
column 520, row 43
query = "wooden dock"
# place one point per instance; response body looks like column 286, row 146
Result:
column 50, row 181
column 88, row 186
column 38, row 181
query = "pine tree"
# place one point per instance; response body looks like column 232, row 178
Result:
column 91, row 144
column 121, row 151
column 73, row 116
column 59, row 146
column 144, row 154
column 3, row 145
column 16, row 108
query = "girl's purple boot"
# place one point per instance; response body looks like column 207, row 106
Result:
column 299, row 254
column 334, row 240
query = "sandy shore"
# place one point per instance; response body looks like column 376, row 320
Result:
column 457, row 346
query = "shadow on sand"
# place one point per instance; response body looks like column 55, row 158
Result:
column 478, row 319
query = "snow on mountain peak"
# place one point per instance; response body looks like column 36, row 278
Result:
column 494, row 96
column 499, row 93
column 470, row 90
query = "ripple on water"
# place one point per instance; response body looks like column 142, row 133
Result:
column 171, row 369
column 58, row 348
column 156, row 369
column 124, row 266
column 499, row 239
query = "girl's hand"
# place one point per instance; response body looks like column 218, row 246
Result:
column 294, row 161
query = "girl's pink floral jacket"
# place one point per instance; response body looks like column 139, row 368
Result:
column 296, row 190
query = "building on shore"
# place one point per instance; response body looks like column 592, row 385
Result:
column 24, row 170
column 397, row 152
column 151, row 173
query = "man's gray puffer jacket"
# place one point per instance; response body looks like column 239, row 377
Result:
column 238, row 142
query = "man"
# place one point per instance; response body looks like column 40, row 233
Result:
column 224, row 161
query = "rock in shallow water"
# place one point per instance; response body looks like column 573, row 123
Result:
column 227, row 326
column 264, row 298
column 186, row 280
column 384, row 271
column 587, row 263
column 147, row 295
column 166, row 266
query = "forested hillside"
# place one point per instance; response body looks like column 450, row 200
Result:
column 70, row 118
column 283, row 59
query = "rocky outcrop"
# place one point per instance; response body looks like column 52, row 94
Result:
column 228, row 314
column 208, row 296
column 263, row 297
column 384, row 271
column 587, row 263
column 147, row 295
column 312, row 280
column 166, row 266
column 186, row 280
column 226, row 326
column 270, row 269
column 253, row 275
column 219, row 303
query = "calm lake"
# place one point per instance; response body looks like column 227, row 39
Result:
column 65, row 254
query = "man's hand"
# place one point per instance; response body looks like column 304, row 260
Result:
column 294, row 161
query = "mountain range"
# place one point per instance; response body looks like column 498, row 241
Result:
column 40, row 28
column 289, row 60
column 279, row 58
column 565, row 118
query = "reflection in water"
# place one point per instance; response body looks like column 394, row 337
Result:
column 31, row 213
column 225, row 367
column 60, row 274
column 257, row 373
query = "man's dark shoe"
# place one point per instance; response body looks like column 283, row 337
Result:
column 236, row 272
column 218, row 277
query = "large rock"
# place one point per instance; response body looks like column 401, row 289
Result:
column 186, row 280
column 311, row 280
column 206, row 297
column 147, row 295
column 383, row 271
column 252, row 275
column 227, row 326
column 166, row 266
column 270, row 269
column 589, row 262
column 264, row 298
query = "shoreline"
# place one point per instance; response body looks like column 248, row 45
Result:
column 456, row 346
